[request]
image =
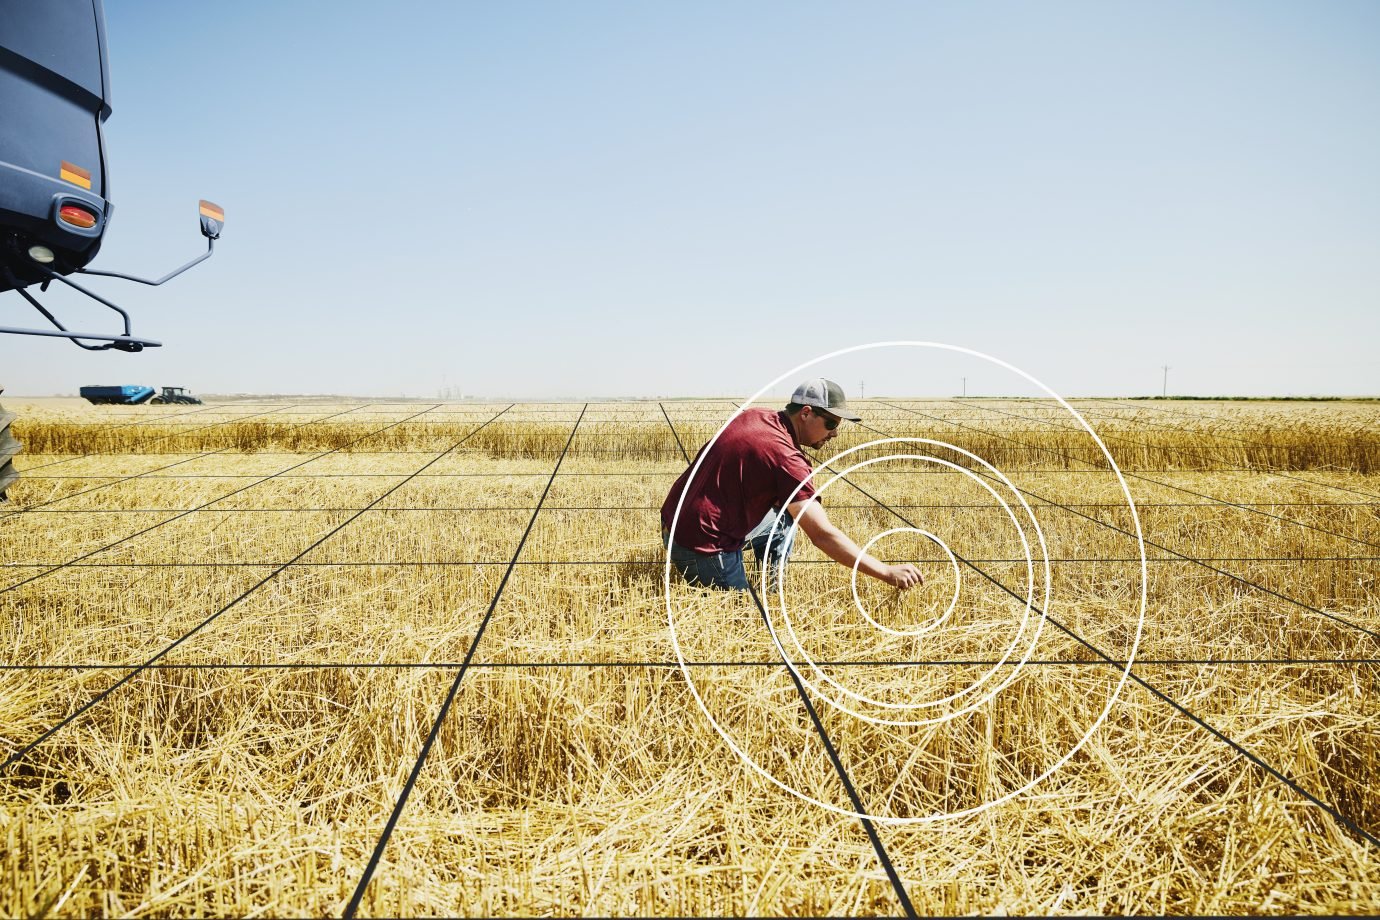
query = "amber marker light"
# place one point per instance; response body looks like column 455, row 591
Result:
column 212, row 219
column 70, row 172
column 77, row 216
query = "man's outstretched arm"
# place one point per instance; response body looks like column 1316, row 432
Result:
column 835, row 544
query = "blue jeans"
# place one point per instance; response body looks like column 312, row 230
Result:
column 725, row 569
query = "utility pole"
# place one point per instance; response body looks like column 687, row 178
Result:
column 1165, row 390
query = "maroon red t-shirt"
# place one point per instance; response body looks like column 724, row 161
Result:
column 754, row 467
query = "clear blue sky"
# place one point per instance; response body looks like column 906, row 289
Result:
column 580, row 198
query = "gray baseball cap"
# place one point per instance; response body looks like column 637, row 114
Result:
column 826, row 395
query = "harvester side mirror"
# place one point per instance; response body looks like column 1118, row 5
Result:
column 212, row 219
column 212, row 222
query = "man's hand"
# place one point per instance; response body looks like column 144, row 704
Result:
column 903, row 576
column 836, row 545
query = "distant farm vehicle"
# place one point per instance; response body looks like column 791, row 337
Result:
column 54, row 209
column 137, row 396
column 171, row 395
column 117, row 396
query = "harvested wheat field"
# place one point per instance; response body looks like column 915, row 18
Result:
column 266, row 658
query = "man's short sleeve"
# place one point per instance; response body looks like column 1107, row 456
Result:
column 790, row 472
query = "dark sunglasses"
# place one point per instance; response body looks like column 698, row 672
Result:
column 830, row 421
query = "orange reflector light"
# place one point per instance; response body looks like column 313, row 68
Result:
column 75, row 175
column 212, row 210
column 77, row 217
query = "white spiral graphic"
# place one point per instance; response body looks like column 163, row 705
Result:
column 977, row 693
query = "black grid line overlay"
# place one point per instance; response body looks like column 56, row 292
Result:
column 1371, row 634
column 108, row 546
column 854, row 799
column 459, row 489
column 1167, row 549
column 1109, row 659
column 48, row 465
column 376, row 855
column 96, row 700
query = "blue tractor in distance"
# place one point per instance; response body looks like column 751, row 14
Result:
column 117, row 395
column 54, row 181
column 137, row 396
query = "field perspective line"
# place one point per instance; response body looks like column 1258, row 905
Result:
column 21, row 511
column 1192, row 559
column 1212, row 498
column 883, row 857
column 201, row 507
column 22, row 752
column 1342, row 819
column 353, row 906
column 257, row 710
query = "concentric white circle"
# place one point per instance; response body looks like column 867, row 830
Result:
column 815, row 670
column 1025, row 615
column 932, row 625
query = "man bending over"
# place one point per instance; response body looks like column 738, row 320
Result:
column 740, row 489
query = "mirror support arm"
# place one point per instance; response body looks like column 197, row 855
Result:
column 54, row 320
column 212, row 220
column 124, row 342
column 210, row 245
column 54, row 276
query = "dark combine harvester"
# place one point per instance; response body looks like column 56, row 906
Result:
column 54, row 183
